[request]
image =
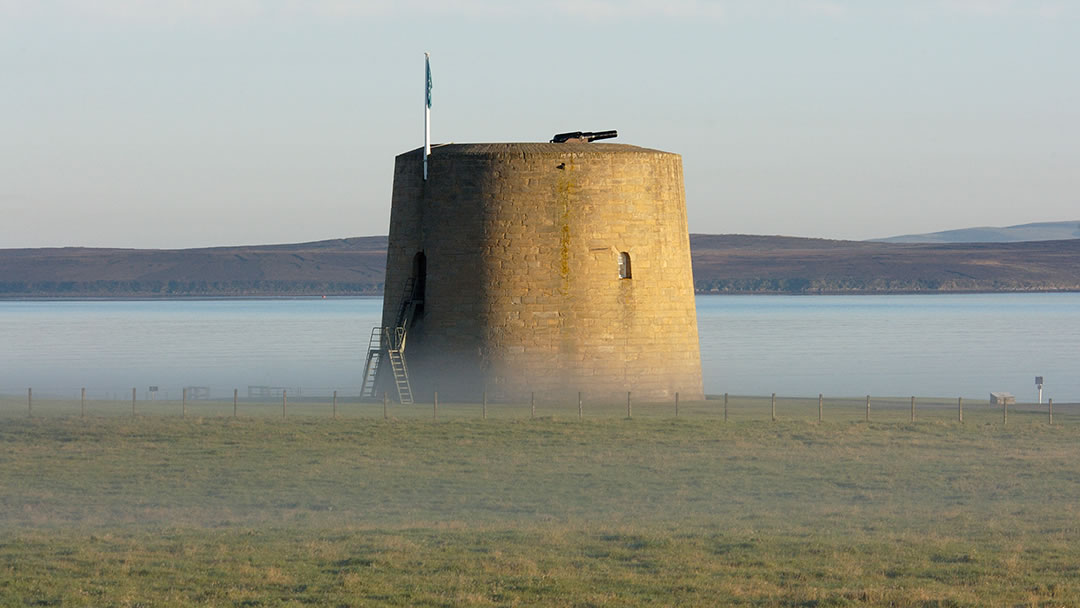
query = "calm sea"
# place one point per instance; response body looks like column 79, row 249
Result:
column 939, row 345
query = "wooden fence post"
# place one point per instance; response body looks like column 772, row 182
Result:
column 725, row 407
column 868, row 408
column 676, row 404
column 960, row 409
column 235, row 397
column 133, row 402
column 284, row 402
column 1004, row 412
column 1051, row 403
column 29, row 403
column 83, row 401
column 774, row 407
column 628, row 413
column 820, row 399
column 385, row 400
column 435, row 407
column 183, row 404
column 483, row 407
column 579, row 411
column 532, row 405
column 335, row 405
column 913, row 408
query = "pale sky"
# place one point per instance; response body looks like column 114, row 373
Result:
column 186, row 123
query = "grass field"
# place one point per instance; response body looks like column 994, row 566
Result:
column 159, row 510
column 738, row 408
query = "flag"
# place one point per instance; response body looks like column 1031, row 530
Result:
column 427, row 111
column 427, row 68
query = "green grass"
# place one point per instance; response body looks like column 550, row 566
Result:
column 159, row 510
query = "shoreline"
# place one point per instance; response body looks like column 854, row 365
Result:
column 213, row 298
column 179, row 298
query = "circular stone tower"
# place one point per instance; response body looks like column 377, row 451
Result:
column 542, row 268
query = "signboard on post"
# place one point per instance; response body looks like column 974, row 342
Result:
column 1038, row 381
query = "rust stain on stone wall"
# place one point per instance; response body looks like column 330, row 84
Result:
column 563, row 195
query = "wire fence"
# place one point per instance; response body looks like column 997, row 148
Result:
column 286, row 403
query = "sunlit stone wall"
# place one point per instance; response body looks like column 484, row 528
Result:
column 521, row 274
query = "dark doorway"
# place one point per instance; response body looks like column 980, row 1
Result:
column 419, row 274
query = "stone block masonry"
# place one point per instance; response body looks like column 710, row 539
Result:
column 515, row 250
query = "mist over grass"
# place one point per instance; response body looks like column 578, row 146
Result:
column 162, row 510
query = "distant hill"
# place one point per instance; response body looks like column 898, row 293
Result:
column 786, row 265
column 722, row 264
column 1041, row 231
column 352, row 266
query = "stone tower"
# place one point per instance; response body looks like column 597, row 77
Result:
column 546, row 268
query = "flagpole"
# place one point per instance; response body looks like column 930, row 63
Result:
column 427, row 111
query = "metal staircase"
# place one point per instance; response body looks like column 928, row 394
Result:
column 401, row 376
column 371, row 365
column 391, row 342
